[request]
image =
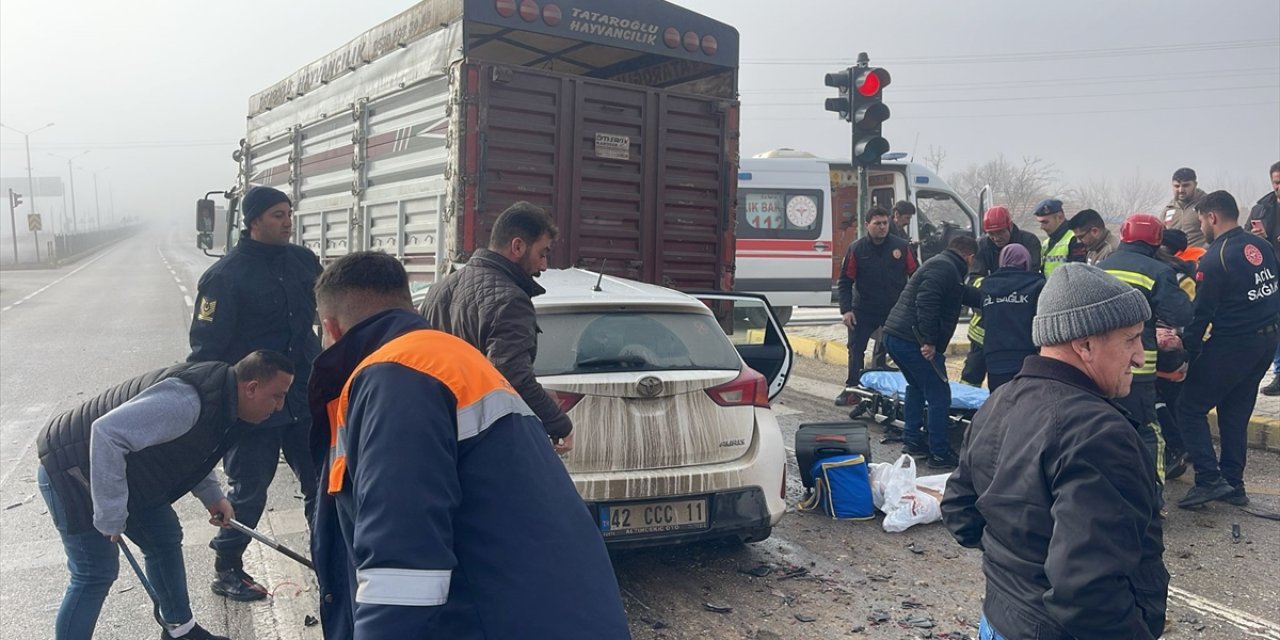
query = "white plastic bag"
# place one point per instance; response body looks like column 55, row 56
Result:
column 908, row 500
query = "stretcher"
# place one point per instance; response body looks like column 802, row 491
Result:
column 882, row 394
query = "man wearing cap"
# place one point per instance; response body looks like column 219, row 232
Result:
column 1000, row 233
column 1135, row 263
column 1092, row 232
column 1048, row 487
column 259, row 296
column 1009, row 299
column 1180, row 213
column 1061, row 246
column 1237, row 292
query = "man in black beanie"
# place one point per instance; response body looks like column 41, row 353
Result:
column 1054, row 484
column 260, row 296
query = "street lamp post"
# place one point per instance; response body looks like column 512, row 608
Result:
column 72, row 172
column 31, row 183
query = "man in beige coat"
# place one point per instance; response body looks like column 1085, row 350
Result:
column 1180, row 213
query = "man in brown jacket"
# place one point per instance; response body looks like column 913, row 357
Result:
column 1180, row 213
column 489, row 303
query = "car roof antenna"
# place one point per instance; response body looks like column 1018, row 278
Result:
column 603, row 261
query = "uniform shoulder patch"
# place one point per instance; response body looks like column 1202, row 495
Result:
column 897, row 254
column 207, row 309
column 1253, row 255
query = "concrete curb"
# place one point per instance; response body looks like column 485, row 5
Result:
column 1263, row 432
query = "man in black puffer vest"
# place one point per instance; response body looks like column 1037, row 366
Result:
column 918, row 331
column 116, row 463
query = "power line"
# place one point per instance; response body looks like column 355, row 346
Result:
column 1041, row 56
column 1062, row 96
column 1223, row 106
column 1050, row 82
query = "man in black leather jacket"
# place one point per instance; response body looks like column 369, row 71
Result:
column 489, row 303
column 259, row 296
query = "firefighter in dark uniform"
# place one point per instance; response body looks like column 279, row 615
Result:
column 874, row 272
column 259, row 296
column 1236, row 292
column 1135, row 263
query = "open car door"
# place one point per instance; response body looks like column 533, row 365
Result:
column 754, row 330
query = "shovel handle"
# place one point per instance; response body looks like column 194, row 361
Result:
column 290, row 553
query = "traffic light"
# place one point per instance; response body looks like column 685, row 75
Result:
column 15, row 199
column 868, row 112
column 842, row 80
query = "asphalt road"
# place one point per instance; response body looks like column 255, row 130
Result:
column 69, row 333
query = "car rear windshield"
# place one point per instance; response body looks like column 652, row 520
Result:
column 631, row 341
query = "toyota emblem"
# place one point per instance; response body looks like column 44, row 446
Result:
column 649, row 386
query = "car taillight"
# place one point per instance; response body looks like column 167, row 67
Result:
column 748, row 389
column 564, row 399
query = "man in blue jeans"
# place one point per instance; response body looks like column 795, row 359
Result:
column 115, row 464
column 917, row 333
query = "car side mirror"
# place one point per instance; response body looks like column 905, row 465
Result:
column 205, row 214
column 204, row 240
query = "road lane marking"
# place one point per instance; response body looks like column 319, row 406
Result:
column 190, row 303
column 46, row 287
column 36, row 414
column 1246, row 622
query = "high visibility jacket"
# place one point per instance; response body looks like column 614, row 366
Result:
column 1060, row 248
column 447, row 514
column 1137, row 265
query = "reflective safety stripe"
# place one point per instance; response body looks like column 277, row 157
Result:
column 337, row 447
column 403, row 587
column 1055, row 255
column 493, row 406
column 1148, row 364
column 483, row 395
column 1134, row 278
column 976, row 332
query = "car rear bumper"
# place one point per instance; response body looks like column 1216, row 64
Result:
column 730, row 513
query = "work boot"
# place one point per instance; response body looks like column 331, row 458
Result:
column 946, row 460
column 1236, row 498
column 1199, row 494
column 237, row 585
column 196, row 633
column 915, row 449
column 1272, row 389
column 1175, row 464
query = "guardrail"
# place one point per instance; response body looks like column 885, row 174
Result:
column 71, row 247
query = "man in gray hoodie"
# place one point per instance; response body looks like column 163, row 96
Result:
column 115, row 464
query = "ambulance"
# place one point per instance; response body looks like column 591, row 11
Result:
column 796, row 216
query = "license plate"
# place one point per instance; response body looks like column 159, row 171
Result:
column 652, row 517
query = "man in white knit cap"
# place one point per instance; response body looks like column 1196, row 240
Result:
column 1054, row 484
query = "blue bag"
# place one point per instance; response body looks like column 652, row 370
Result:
column 842, row 488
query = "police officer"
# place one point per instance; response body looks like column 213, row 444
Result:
column 259, row 296
column 872, row 276
column 1061, row 246
column 1237, row 293
column 1135, row 263
column 1001, row 232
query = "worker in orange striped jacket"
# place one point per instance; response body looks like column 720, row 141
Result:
column 443, row 511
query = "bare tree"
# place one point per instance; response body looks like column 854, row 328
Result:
column 934, row 159
column 1117, row 199
column 1016, row 185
